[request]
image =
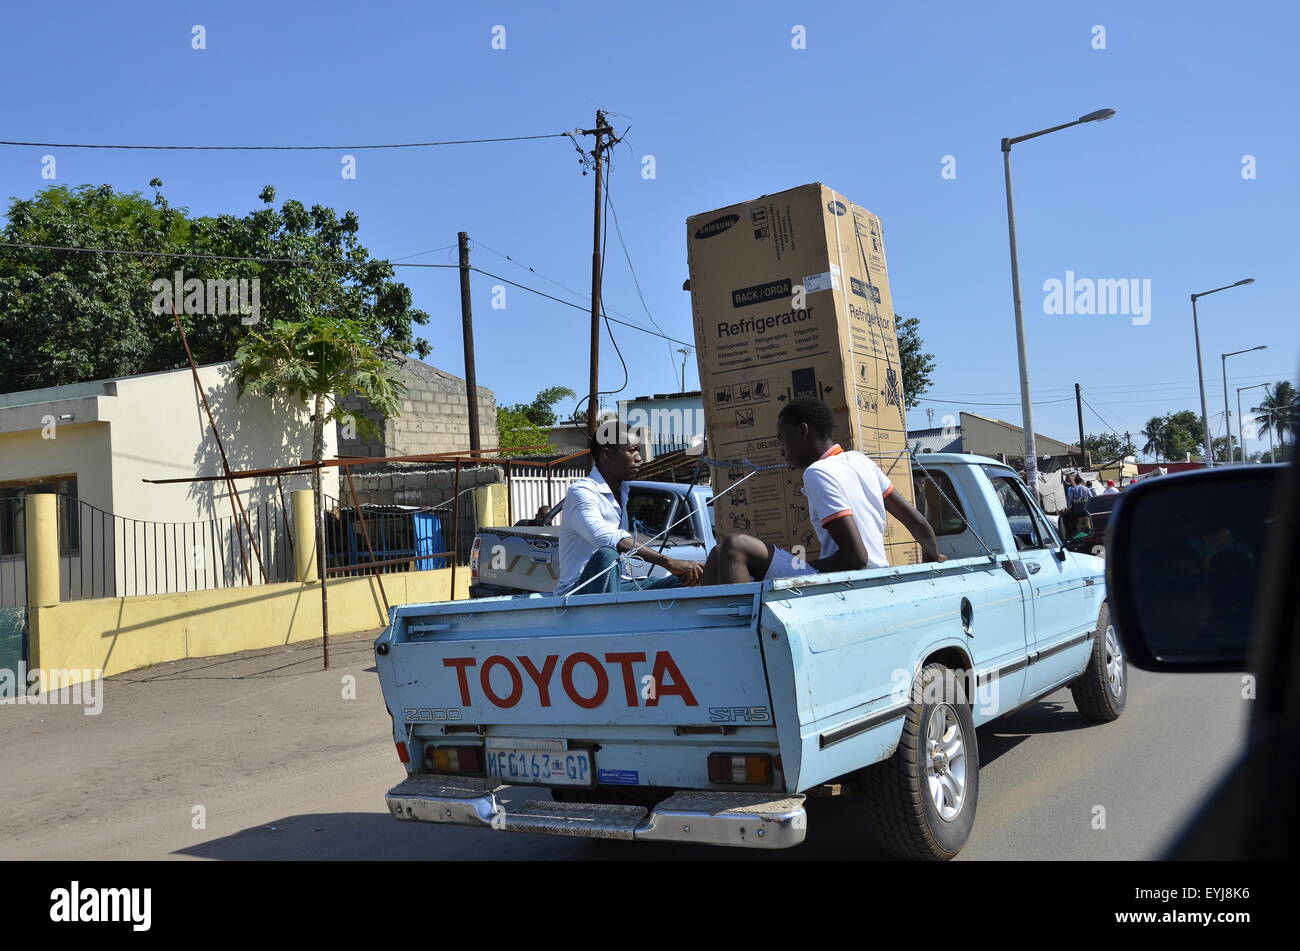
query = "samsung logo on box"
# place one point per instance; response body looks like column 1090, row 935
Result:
column 717, row 226
column 862, row 290
column 836, row 207
column 760, row 293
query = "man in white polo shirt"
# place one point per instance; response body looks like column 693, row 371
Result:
column 594, row 529
column 849, row 498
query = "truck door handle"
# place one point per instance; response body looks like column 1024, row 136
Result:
column 731, row 610
column 1034, row 567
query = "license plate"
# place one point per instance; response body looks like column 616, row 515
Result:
column 541, row 767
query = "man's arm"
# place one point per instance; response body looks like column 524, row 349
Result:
column 689, row 571
column 850, row 554
column 916, row 524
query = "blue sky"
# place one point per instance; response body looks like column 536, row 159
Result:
column 729, row 110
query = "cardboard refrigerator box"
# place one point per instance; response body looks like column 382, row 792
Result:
column 790, row 297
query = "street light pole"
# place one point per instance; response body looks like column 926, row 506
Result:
column 1227, row 415
column 1200, row 373
column 1022, row 354
column 1241, row 419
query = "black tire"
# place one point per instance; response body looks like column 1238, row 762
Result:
column 901, row 809
column 1101, row 691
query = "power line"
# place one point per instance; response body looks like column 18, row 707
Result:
column 618, row 229
column 287, row 148
column 306, row 262
column 311, row 262
column 417, row 254
column 532, row 270
column 1099, row 416
column 569, row 303
column 927, row 399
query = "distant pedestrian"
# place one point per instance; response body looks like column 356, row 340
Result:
column 1110, row 488
column 1094, row 488
column 1077, row 494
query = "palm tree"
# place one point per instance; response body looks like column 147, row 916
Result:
column 1279, row 413
column 1154, row 431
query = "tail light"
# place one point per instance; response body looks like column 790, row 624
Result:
column 473, row 559
column 740, row 769
column 402, row 753
column 455, row 759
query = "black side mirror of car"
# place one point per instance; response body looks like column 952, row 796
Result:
column 1184, row 557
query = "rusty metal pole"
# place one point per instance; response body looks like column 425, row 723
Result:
column 365, row 533
column 236, row 502
column 467, row 327
column 455, row 530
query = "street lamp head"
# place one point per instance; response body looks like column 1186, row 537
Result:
column 1098, row 116
column 1249, row 280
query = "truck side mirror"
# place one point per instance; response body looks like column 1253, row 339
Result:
column 1184, row 558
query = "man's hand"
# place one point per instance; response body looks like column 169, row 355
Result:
column 689, row 571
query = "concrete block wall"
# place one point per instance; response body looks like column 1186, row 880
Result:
column 433, row 416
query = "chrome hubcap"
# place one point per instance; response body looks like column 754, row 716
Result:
column 945, row 762
column 1114, row 662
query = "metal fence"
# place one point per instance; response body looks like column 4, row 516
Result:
column 13, row 556
column 380, row 539
column 102, row 555
column 529, row 492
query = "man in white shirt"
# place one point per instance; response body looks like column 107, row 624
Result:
column 593, row 524
column 1110, row 488
column 849, row 497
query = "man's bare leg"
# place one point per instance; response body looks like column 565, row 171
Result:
column 742, row 558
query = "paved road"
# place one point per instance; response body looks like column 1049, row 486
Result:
column 283, row 766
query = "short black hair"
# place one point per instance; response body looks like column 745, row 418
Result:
column 810, row 410
column 608, row 434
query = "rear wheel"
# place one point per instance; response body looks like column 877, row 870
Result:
column 921, row 801
column 1101, row 690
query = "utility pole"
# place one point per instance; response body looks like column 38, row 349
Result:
column 1078, row 405
column 605, row 138
column 467, row 326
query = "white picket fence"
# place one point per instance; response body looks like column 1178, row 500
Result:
column 527, row 492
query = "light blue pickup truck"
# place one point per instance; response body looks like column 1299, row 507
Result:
column 710, row 714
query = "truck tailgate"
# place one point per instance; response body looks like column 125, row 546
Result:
column 643, row 658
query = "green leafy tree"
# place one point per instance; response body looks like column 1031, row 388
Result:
column 1154, row 431
column 1183, row 434
column 514, row 428
column 68, row 316
column 540, row 411
column 320, row 360
column 525, row 424
column 1107, row 447
column 917, row 364
column 1220, row 447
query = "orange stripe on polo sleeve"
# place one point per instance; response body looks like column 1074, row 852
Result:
column 834, row 515
column 885, row 494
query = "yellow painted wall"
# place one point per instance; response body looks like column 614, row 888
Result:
column 120, row 634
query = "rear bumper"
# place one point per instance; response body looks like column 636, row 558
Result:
column 747, row 820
